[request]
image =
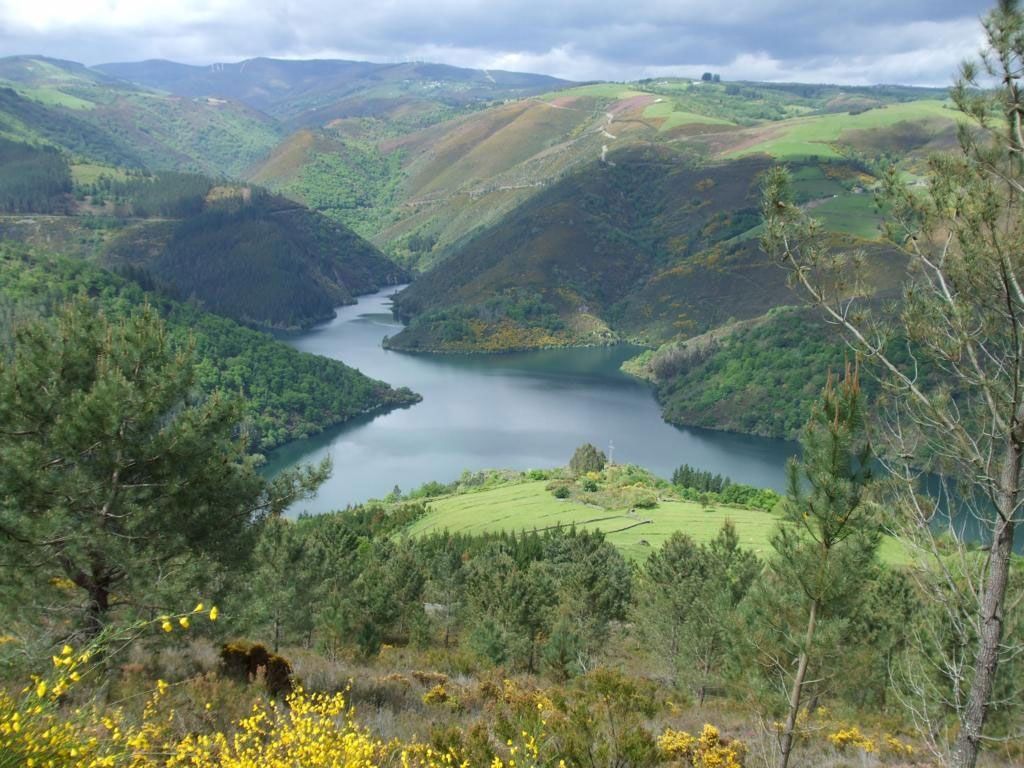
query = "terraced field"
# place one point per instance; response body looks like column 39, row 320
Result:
column 528, row 506
column 808, row 137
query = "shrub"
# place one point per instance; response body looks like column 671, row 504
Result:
column 706, row 751
column 245, row 662
column 436, row 695
column 852, row 737
column 645, row 501
column 587, row 458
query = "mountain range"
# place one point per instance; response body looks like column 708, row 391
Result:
column 531, row 211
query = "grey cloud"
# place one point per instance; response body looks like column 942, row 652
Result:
column 852, row 40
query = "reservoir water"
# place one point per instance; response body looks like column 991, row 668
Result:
column 519, row 410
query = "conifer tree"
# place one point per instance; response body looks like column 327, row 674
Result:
column 824, row 550
column 113, row 477
column 962, row 318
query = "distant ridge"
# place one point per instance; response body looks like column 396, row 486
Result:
column 284, row 87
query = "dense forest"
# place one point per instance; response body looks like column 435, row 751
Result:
column 288, row 394
column 33, row 179
column 144, row 195
column 255, row 257
column 757, row 380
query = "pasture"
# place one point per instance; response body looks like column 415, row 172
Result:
column 814, row 136
column 673, row 117
column 528, row 506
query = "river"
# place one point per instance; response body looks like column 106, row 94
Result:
column 520, row 410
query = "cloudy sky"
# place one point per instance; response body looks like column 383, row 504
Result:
column 841, row 41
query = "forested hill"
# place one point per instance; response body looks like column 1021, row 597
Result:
column 317, row 91
column 289, row 394
column 34, row 179
column 95, row 117
column 257, row 258
column 649, row 246
column 236, row 249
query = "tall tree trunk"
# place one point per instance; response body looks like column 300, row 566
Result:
column 798, row 686
column 96, row 611
column 972, row 720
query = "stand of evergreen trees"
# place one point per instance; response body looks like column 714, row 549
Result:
column 33, row 179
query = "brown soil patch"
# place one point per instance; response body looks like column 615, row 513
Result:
column 634, row 102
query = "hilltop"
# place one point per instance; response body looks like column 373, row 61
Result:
column 316, row 91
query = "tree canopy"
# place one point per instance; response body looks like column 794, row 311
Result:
column 115, row 478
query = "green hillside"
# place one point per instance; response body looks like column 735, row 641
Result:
column 94, row 116
column 289, row 394
column 238, row 250
column 449, row 180
column 649, row 245
column 257, row 258
column 527, row 505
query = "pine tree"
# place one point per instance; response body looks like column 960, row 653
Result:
column 113, row 478
column 961, row 318
column 824, row 550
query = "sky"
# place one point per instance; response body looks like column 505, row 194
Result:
column 858, row 42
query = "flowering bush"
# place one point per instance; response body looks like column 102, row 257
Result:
column 36, row 733
column 852, row 737
column 898, row 747
column 706, row 751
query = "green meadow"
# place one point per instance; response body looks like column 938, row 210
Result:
column 528, row 506
column 815, row 136
column 674, row 117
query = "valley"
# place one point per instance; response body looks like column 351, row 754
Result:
column 399, row 414
column 489, row 190
column 518, row 411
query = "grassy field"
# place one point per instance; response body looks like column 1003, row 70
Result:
column 674, row 117
column 526, row 506
column 597, row 90
column 852, row 214
column 53, row 97
column 89, row 173
column 814, row 136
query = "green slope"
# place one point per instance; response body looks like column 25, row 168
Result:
column 289, row 394
column 257, row 258
column 449, row 180
column 528, row 505
column 94, row 116
column 650, row 246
